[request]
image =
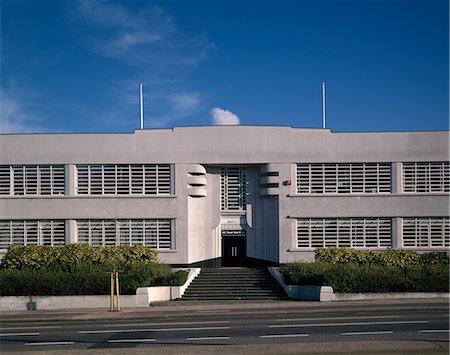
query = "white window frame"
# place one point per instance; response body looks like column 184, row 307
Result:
column 359, row 233
column 128, row 232
column 32, row 180
column 426, row 233
column 426, row 177
column 233, row 189
column 34, row 232
column 124, row 179
column 343, row 178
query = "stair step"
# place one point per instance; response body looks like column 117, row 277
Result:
column 234, row 284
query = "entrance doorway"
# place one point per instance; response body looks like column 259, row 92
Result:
column 234, row 248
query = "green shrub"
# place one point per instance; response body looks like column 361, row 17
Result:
column 86, row 281
column 355, row 278
column 397, row 258
column 79, row 269
column 297, row 273
column 26, row 282
column 74, row 256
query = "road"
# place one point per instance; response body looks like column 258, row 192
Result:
column 414, row 329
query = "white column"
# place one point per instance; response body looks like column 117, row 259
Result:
column 397, row 232
column 396, row 178
column 71, row 232
column 70, row 179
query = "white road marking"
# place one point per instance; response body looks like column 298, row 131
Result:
column 158, row 324
column 209, row 338
column 17, row 334
column 130, row 340
column 149, row 330
column 333, row 318
column 342, row 324
column 17, row 328
column 434, row 331
column 284, row 335
column 369, row 333
column 51, row 343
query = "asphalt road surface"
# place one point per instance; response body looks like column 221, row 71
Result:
column 419, row 329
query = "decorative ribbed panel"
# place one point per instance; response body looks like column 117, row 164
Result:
column 196, row 180
column 270, row 180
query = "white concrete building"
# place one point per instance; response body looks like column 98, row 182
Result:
column 227, row 193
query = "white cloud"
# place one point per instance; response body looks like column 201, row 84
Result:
column 14, row 119
column 159, row 54
column 185, row 101
column 140, row 36
column 223, row 117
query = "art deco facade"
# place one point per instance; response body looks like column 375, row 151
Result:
column 227, row 192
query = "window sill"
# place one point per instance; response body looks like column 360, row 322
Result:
column 23, row 197
column 381, row 194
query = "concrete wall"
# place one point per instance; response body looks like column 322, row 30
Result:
column 271, row 231
column 224, row 145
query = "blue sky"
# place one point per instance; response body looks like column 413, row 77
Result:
column 75, row 66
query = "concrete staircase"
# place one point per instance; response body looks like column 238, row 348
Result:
column 234, row 284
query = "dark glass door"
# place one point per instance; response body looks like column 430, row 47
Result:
column 234, row 248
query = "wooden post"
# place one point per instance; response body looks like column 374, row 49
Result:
column 111, row 279
column 117, row 292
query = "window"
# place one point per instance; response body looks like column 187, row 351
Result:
column 5, row 180
column 24, row 232
column 331, row 178
column 26, row 180
column 426, row 177
column 233, row 189
column 425, row 232
column 154, row 233
column 374, row 233
column 124, row 179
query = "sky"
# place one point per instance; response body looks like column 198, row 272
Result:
column 76, row 65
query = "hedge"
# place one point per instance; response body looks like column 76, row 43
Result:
column 354, row 278
column 351, row 270
column 75, row 256
column 81, row 269
column 93, row 282
column 397, row 258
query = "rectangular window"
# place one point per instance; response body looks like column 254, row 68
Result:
column 25, row 232
column 371, row 233
column 426, row 177
column 29, row 180
column 233, row 189
column 154, row 233
column 124, row 179
column 5, row 180
column 343, row 178
column 422, row 232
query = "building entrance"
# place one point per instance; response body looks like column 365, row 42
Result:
column 234, row 248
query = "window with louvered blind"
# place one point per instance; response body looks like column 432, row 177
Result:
column 426, row 177
column 124, row 179
column 26, row 180
column 25, row 232
column 425, row 232
column 154, row 233
column 232, row 189
column 344, row 232
column 331, row 178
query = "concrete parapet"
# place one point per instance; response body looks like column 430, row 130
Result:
column 12, row 303
column 303, row 292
